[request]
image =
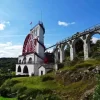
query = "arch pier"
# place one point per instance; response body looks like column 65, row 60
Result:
column 82, row 37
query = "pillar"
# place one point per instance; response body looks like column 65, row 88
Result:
column 56, row 56
column 61, row 55
column 86, row 47
column 72, row 52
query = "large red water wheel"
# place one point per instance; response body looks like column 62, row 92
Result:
column 29, row 44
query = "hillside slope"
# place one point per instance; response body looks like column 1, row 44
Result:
column 68, row 83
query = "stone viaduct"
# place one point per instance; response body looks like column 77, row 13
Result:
column 84, row 37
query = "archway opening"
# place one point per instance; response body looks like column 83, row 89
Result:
column 66, row 49
column 79, row 51
column 94, row 45
column 19, row 62
column 19, row 69
column 25, row 70
column 24, row 60
column 30, row 60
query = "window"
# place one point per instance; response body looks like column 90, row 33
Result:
column 25, row 70
column 24, row 60
column 30, row 60
column 36, row 32
column 19, row 69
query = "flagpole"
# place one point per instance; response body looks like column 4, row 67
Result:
column 41, row 16
column 31, row 24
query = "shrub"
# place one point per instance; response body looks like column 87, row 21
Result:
column 47, row 78
column 82, row 65
column 13, row 74
column 4, row 92
column 16, row 88
column 27, row 93
column 21, row 90
column 96, row 95
column 46, row 91
column 61, row 65
column 47, row 97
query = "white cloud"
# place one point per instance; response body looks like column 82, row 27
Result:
column 61, row 23
column 10, row 50
column 49, row 50
column 94, row 39
column 3, row 24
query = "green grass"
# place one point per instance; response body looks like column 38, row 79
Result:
column 88, row 63
column 74, row 89
column 35, row 83
column 2, row 98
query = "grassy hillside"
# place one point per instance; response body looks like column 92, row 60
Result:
column 63, row 84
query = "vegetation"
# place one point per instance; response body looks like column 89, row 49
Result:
column 55, row 85
column 96, row 95
column 49, row 86
column 7, row 63
column 2, row 98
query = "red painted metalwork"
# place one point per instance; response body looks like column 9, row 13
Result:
column 29, row 44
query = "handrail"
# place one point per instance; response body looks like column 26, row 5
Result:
column 86, row 31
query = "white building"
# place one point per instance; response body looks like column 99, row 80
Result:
column 33, row 52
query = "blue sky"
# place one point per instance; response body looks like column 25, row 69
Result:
column 61, row 18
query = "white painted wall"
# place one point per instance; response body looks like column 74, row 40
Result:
column 20, row 58
column 42, row 69
column 29, row 66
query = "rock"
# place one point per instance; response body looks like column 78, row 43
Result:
column 97, row 69
column 86, row 71
column 90, row 68
column 94, row 71
column 87, row 94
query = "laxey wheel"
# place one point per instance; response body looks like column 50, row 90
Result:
column 29, row 44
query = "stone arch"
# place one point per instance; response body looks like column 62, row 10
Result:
column 78, row 45
column 90, row 42
column 64, row 47
column 25, row 70
column 91, row 34
column 76, row 40
column 19, row 61
column 19, row 69
column 30, row 60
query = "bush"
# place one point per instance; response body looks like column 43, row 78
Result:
column 47, row 78
column 47, row 97
column 75, row 61
column 27, row 93
column 61, row 65
column 21, row 90
column 96, row 95
column 16, row 88
column 13, row 74
column 5, row 89
column 4, row 92
column 81, row 65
